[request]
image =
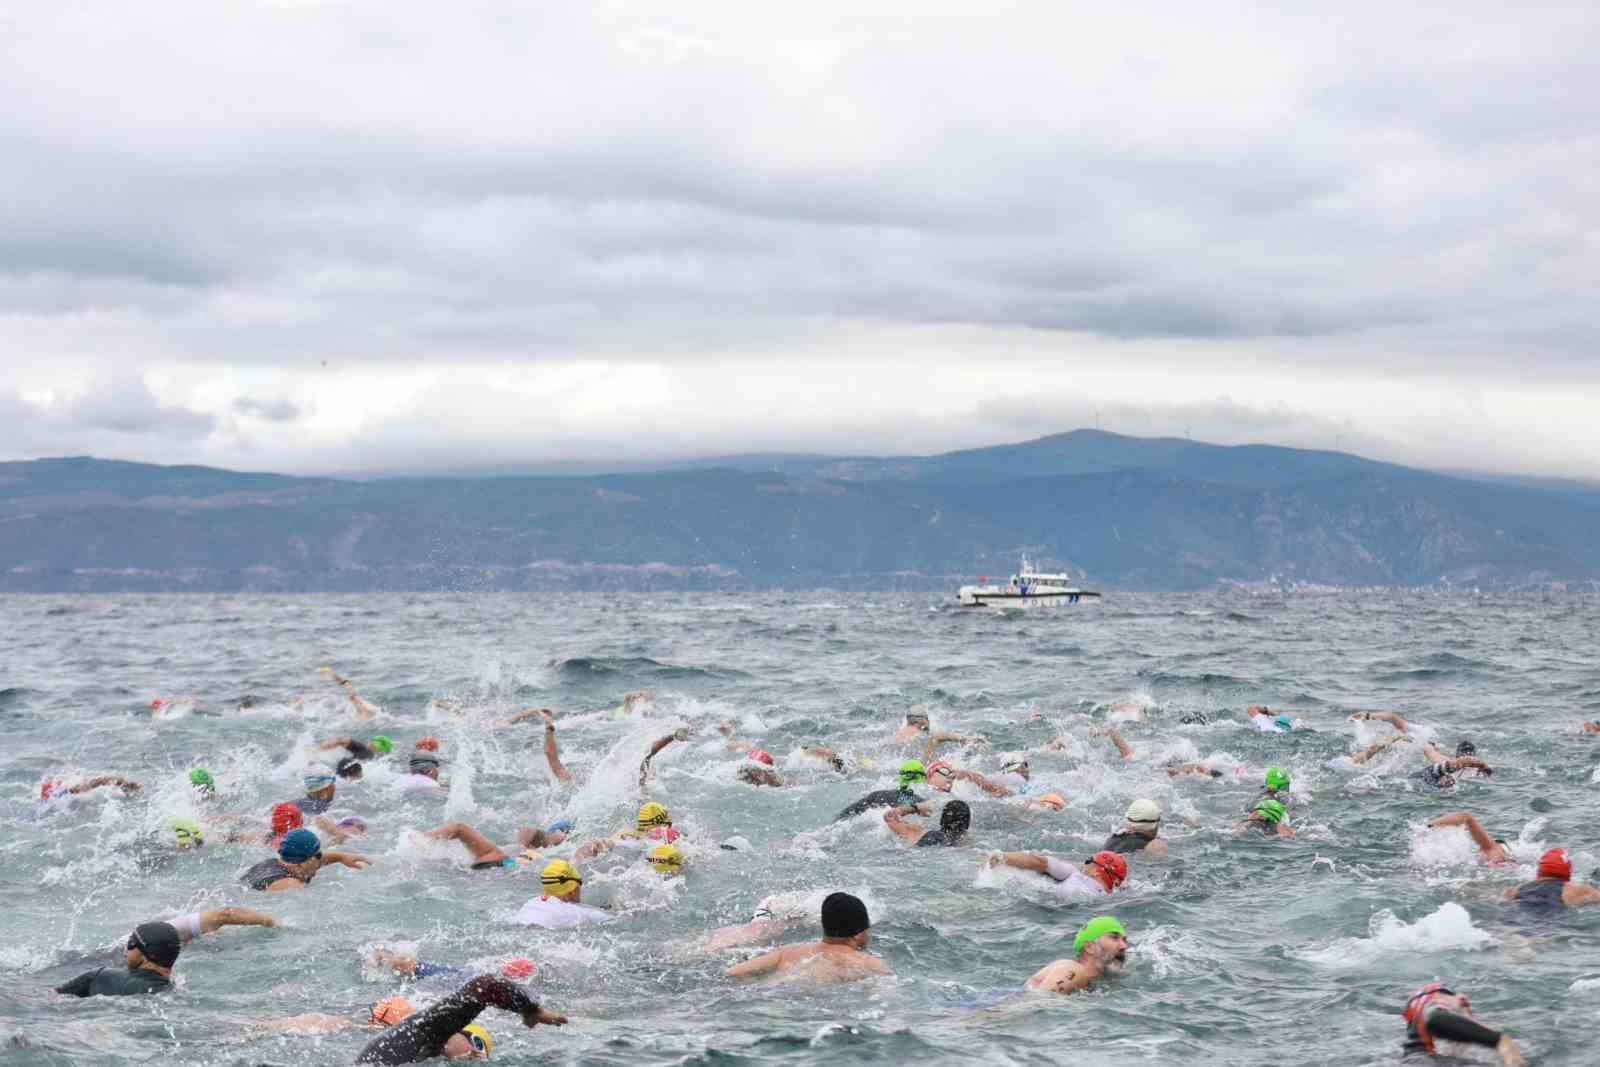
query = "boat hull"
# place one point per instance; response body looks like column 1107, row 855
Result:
column 996, row 597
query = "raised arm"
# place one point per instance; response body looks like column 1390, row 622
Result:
column 1480, row 836
column 1381, row 716
column 1362, row 757
column 1118, row 740
column 552, row 753
column 946, row 737
column 680, row 734
column 1024, row 861
column 894, row 818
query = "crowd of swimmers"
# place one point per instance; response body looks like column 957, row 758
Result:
column 301, row 836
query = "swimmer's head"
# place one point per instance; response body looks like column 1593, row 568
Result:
column 391, row 1010
column 156, row 943
column 471, row 1042
column 918, row 719
column 1556, row 864
column 844, row 918
column 1277, row 779
column 666, row 860
column 382, row 745
column 1113, row 868
column 286, row 817
column 353, row 824
column 759, row 776
column 956, row 817
column 428, row 744
column 652, row 815
column 941, row 775
column 1016, row 766
column 1102, row 936
column 319, row 784
column 1466, row 748
column 560, row 880
column 557, row 832
column 1270, row 811
column 1283, row 722
column 300, row 846
column 188, row 833
column 1144, row 814
column 201, row 781
column 348, row 768
column 761, row 755
column 911, row 772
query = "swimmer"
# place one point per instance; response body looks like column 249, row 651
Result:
column 517, row 968
column 917, row 729
column 487, row 856
column 1194, row 718
column 1494, row 849
column 1372, row 750
column 364, row 711
column 1098, row 876
column 203, row 785
column 665, row 860
column 299, row 859
column 1176, row 768
column 953, row 823
column 841, row 955
column 1141, row 832
column 1267, row 816
column 680, row 734
column 378, row 746
column 1435, row 1014
column 912, row 772
column 348, row 768
column 826, row 754
column 319, row 792
column 1382, row 716
column 1442, row 770
column 424, row 773
column 1265, row 720
column 653, row 827
column 1554, row 887
column 52, row 788
column 942, row 776
column 561, row 905
column 1116, row 739
column 386, row 1012
column 151, row 951
column 1101, row 947
column 447, row 1028
column 773, row 917
column 552, row 752
column 758, row 771
column 1016, row 776
column 1126, row 711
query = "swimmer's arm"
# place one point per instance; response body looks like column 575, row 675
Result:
column 395, row 961
column 655, row 747
column 1576, row 896
column 945, row 737
column 992, row 788
column 363, row 709
column 106, row 779
column 1026, row 861
column 1285, row 830
column 1591, row 727
column 1471, row 761
column 1431, row 753
column 329, row 829
column 765, row 963
column 79, row 986
column 353, row 860
column 1382, row 716
column 1056, row 744
column 593, row 849
column 552, row 753
column 337, row 742
column 1118, row 740
column 1363, row 757
column 1157, row 847
column 286, row 885
column 524, row 716
column 896, row 822
column 215, row 919
column 1480, row 836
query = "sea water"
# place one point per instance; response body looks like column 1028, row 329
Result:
column 1244, row 949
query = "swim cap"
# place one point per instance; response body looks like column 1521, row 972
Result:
column 560, row 879
column 48, row 787
column 201, row 776
column 423, row 764
column 843, row 915
column 1466, row 748
column 1283, row 721
column 484, row 1043
column 663, row 833
column 666, row 859
column 1094, row 930
column 348, row 767
column 761, row 755
column 1277, row 778
column 911, row 772
column 319, row 780
column 1143, row 810
column 1270, row 810
column 158, row 941
column 353, row 822
column 955, row 817
column 1114, row 865
column 299, row 846
column 428, row 744
column 189, row 833
column 286, row 817
column 653, row 814
column 519, row 968
column 391, row 1010
column 560, row 826
column 1556, row 864
column 383, row 744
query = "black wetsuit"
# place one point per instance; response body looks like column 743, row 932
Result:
column 266, row 872
column 1448, row 1026
column 361, row 751
column 1545, row 893
column 1126, row 842
column 110, row 982
column 940, row 837
column 882, row 798
column 423, row 1035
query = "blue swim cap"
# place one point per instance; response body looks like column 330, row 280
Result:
column 1284, row 722
column 560, row 826
column 299, row 846
column 314, row 782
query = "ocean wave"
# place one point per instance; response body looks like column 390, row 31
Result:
column 635, row 667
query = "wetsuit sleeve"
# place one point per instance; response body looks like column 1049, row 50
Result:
column 359, row 750
column 1448, row 1026
column 79, row 986
column 423, row 1035
column 188, row 926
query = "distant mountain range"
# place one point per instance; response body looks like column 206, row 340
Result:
column 1122, row 512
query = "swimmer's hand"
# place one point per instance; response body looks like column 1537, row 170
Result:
column 539, row 1015
column 681, row 733
column 353, row 860
column 995, row 859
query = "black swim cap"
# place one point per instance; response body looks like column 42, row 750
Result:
column 843, row 916
column 1466, row 748
column 1194, row 718
column 158, row 941
column 955, row 817
column 348, row 767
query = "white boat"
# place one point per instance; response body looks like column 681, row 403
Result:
column 1027, row 590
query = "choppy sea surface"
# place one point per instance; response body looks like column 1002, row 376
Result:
column 1245, row 950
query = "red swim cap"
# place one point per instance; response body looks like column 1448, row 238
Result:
column 286, row 817
column 761, row 755
column 518, row 968
column 1556, row 864
column 1114, row 866
column 49, row 786
column 663, row 833
column 428, row 744
column 155, row 705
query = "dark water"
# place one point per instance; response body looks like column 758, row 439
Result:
column 1245, row 950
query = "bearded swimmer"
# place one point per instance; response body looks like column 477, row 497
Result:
column 1098, row 876
column 1436, row 1014
column 1100, row 947
column 561, row 905
column 840, row 956
column 448, row 1029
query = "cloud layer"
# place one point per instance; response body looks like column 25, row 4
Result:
column 353, row 235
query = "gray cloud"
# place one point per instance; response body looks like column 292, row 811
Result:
column 271, row 410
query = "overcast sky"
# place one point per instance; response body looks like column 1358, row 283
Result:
column 370, row 235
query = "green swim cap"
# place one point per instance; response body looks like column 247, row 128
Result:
column 911, row 772
column 1271, row 810
column 189, row 833
column 382, row 744
column 1277, row 778
column 1095, row 929
column 201, row 776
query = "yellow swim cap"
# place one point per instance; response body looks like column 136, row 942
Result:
column 188, row 832
column 483, row 1043
column 666, row 859
column 653, row 814
column 560, row 879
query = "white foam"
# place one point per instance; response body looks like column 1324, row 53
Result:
column 1447, row 929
